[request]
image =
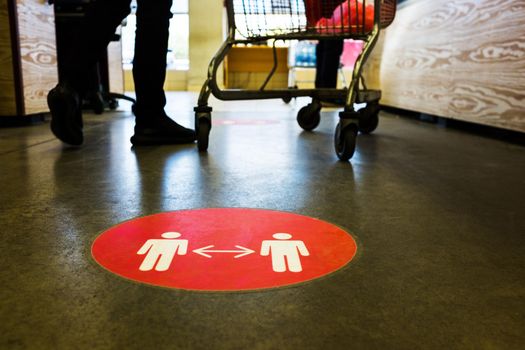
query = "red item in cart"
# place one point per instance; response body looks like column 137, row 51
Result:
column 317, row 9
column 344, row 17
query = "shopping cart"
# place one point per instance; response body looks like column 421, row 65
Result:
column 258, row 21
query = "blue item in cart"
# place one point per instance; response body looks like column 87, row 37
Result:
column 312, row 58
column 305, row 54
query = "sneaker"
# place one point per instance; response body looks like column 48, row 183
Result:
column 66, row 115
column 162, row 131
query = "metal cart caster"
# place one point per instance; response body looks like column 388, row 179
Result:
column 345, row 137
column 202, row 127
column 309, row 116
column 113, row 104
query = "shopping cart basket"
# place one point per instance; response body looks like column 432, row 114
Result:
column 303, row 20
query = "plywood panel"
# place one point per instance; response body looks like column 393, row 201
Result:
column 256, row 59
column 462, row 59
column 247, row 67
column 38, row 52
column 7, row 87
column 253, row 81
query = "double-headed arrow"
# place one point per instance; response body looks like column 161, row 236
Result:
column 243, row 251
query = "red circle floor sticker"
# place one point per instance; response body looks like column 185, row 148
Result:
column 223, row 249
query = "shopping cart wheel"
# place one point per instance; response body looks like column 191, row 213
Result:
column 203, row 134
column 345, row 141
column 309, row 116
column 369, row 118
column 202, row 126
column 113, row 104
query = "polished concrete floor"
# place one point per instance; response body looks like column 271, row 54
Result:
column 438, row 215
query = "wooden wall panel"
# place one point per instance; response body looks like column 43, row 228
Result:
column 38, row 52
column 462, row 59
column 7, row 87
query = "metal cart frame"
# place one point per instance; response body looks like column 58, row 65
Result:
column 350, row 121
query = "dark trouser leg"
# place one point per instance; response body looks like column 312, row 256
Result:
column 319, row 63
column 149, row 64
column 153, row 126
column 93, row 36
column 328, row 55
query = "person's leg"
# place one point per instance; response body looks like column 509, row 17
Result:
column 93, row 36
column 153, row 126
column 319, row 63
column 151, row 47
column 329, row 55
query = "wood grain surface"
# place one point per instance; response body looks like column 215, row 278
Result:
column 7, row 87
column 461, row 59
column 37, row 52
column 247, row 67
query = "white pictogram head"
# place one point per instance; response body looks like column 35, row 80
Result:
column 282, row 236
column 171, row 235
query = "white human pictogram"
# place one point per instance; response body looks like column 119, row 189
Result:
column 162, row 251
column 284, row 252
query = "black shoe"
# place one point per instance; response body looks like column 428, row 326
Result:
column 66, row 115
column 161, row 131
